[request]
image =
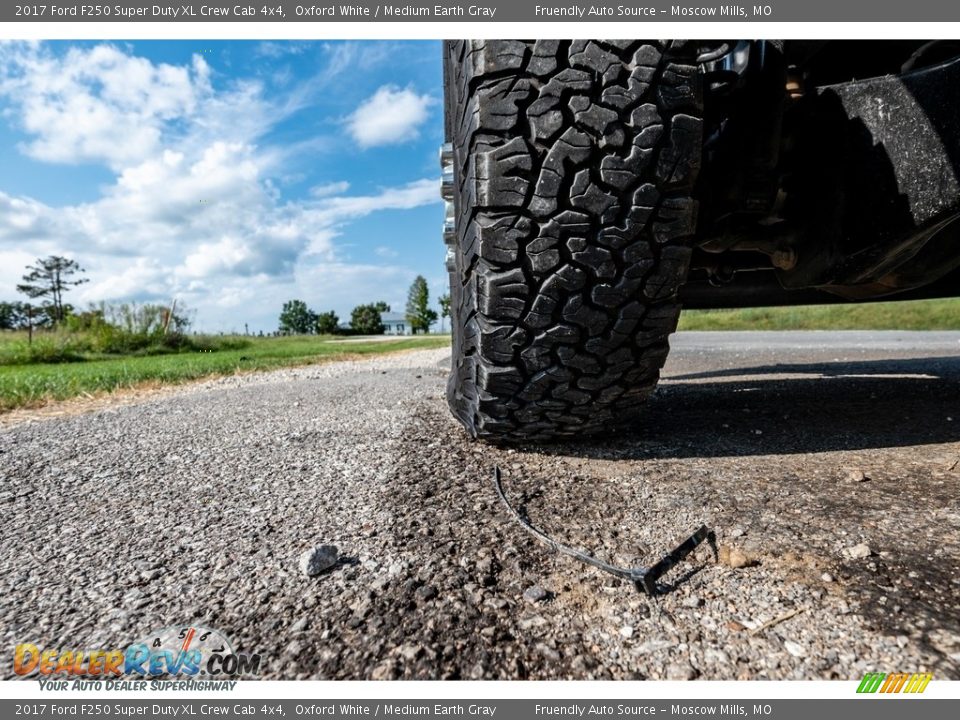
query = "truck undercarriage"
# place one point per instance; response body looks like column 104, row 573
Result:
column 830, row 173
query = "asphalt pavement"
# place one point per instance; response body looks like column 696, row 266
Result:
column 827, row 464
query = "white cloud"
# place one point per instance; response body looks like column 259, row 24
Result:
column 327, row 283
column 328, row 214
column 274, row 50
column 23, row 219
column 363, row 55
column 391, row 115
column 98, row 104
column 331, row 188
column 336, row 209
column 140, row 277
column 204, row 252
column 192, row 211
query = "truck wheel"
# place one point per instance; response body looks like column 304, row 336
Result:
column 570, row 167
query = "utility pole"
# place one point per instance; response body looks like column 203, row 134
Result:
column 166, row 320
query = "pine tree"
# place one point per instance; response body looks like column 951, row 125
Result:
column 444, row 302
column 49, row 279
column 419, row 314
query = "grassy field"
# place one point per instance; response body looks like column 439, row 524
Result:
column 910, row 315
column 27, row 383
column 34, row 384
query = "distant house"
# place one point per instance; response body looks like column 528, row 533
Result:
column 395, row 324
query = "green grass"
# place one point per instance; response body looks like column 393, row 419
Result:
column 910, row 315
column 34, row 384
column 61, row 366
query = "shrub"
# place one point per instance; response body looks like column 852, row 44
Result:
column 51, row 349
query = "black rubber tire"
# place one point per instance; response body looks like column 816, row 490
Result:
column 574, row 167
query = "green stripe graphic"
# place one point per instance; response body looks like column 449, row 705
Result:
column 871, row 682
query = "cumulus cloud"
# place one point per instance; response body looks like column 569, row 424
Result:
column 98, row 104
column 192, row 211
column 240, row 231
column 391, row 115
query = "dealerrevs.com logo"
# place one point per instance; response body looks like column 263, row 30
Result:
column 180, row 651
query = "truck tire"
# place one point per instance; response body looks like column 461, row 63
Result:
column 573, row 166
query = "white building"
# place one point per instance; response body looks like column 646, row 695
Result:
column 395, row 324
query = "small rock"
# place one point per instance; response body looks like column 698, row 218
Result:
column 532, row 623
column 827, row 577
column 379, row 584
column 547, row 652
column 794, row 649
column 692, row 602
column 581, row 664
column 680, row 671
column 410, row 652
column 383, row 671
column 945, row 641
column 715, row 657
column 855, row 474
column 315, row 561
column 626, row 631
column 294, row 649
column 535, row 594
column 498, row 603
column 859, row 552
column 426, row 592
column 735, row 557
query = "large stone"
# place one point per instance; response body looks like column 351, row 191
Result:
column 321, row 558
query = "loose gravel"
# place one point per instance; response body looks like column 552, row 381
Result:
column 200, row 506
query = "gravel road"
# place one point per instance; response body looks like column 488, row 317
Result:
column 827, row 463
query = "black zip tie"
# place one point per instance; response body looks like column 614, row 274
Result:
column 643, row 578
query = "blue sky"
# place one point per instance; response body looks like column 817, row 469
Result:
column 231, row 175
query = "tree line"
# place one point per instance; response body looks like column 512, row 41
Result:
column 103, row 327
column 296, row 318
column 47, row 281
